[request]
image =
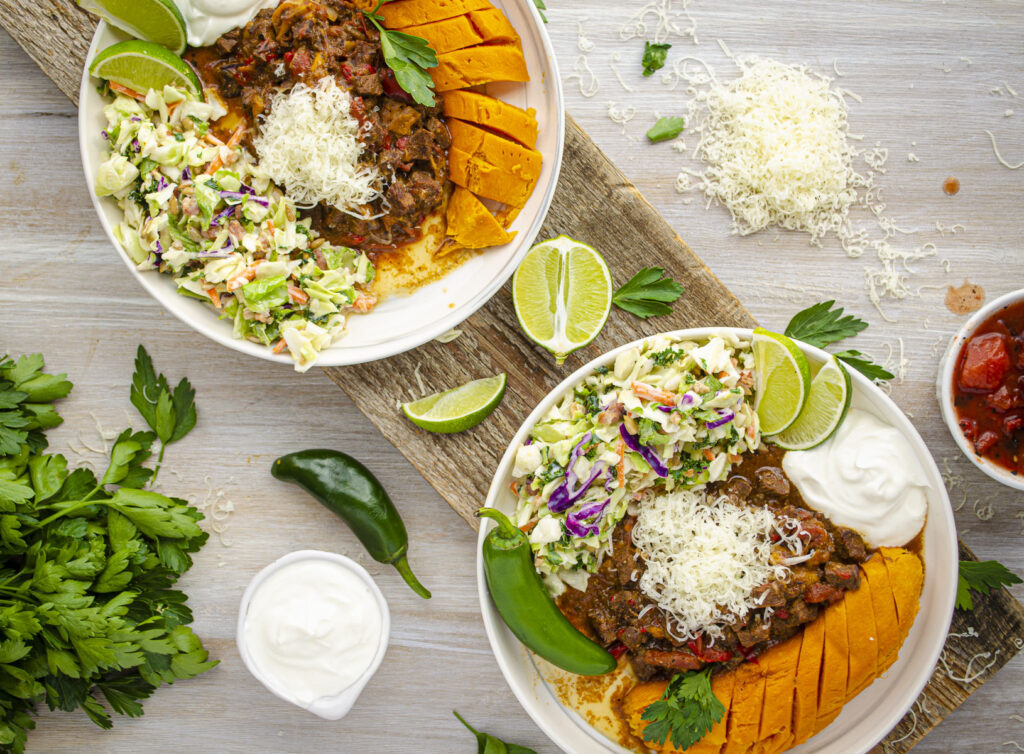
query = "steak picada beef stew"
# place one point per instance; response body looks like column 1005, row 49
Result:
column 301, row 41
column 615, row 611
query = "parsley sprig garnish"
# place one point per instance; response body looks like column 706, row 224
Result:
column 686, row 711
column 87, row 607
column 667, row 127
column 648, row 293
column 408, row 56
column 981, row 576
column 488, row 744
column 820, row 325
column 654, row 56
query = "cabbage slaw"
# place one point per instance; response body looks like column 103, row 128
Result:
column 204, row 212
column 670, row 414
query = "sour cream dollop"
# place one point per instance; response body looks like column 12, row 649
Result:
column 207, row 20
column 865, row 477
column 312, row 628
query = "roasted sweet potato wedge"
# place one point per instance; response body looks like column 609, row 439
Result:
column 808, row 671
column 835, row 664
column 777, row 714
column 488, row 26
column 906, row 576
column 500, row 152
column 483, row 64
column 745, row 711
column 506, row 119
column 403, row 13
column 883, row 605
column 471, row 224
column 486, row 180
column 862, row 637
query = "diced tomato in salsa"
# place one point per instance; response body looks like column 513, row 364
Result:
column 986, row 361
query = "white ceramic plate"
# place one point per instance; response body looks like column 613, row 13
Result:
column 400, row 323
column 866, row 719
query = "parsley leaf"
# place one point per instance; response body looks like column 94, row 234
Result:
column 685, row 712
column 409, row 57
column 541, row 7
column 666, row 128
column 488, row 744
column 865, row 366
column 648, row 293
column 654, row 56
column 171, row 415
column 981, row 576
column 821, row 325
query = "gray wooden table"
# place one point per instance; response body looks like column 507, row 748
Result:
column 933, row 76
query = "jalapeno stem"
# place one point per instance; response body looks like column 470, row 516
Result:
column 507, row 536
column 402, row 565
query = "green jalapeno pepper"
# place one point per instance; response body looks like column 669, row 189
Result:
column 348, row 489
column 527, row 608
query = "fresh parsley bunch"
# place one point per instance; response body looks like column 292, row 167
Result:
column 88, row 612
column 685, row 713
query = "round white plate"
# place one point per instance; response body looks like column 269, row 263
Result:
column 866, row 719
column 400, row 323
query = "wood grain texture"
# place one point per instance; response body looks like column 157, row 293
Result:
column 265, row 528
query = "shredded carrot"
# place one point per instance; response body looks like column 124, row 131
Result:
column 527, row 527
column 218, row 163
column 514, row 488
column 688, row 473
column 279, row 346
column 214, row 296
column 657, row 395
column 244, row 276
column 121, row 89
column 709, row 454
column 620, row 467
column 364, row 303
column 722, row 375
column 297, row 295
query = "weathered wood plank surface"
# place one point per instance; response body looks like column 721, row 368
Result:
column 56, row 34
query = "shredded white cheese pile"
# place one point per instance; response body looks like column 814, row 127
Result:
column 775, row 144
column 309, row 143
column 704, row 557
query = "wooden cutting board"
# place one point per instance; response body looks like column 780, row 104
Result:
column 593, row 201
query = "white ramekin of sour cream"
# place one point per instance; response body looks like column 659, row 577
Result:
column 313, row 628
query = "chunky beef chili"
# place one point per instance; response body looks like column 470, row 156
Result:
column 303, row 41
column 616, row 612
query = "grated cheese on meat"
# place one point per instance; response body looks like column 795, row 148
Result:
column 704, row 557
column 304, row 122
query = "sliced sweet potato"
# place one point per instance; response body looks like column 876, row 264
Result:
column 500, row 152
column 517, row 124
column 483, row 64
column 883, row 605
column 808, row 671
column 486, row 180
column 403, row 13
column 644, row 694
column 745, row 710
column 835, row 664
column 471, row 224
column 493, row 26
column 488, row 26
column 863, row 639
column 722, row 686
column 906, row 575
column 777, row 713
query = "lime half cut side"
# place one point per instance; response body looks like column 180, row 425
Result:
column 783, row 380
column 458, row 409
column 142, row 66
column 157, row 21
column 562, row 294
column 824, row 411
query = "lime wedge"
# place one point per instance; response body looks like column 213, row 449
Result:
column 562, row 293
column 457, row 409
column 143, row 66
column 158, row 21
column 783, row 380
column 824, row 411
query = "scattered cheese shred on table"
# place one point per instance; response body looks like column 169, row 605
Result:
column 316, row 121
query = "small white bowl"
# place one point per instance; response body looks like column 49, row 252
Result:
column 330, row 707
column 944, row 389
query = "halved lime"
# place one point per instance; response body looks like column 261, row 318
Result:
column 158, row 21
column 143, row 66
column 826, row 407
column 562, row 293
column 457, row 409
column 783, row 380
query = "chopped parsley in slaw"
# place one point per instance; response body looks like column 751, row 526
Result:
column 205, row 213
column 669, row 414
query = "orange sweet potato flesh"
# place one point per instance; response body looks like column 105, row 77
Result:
column 745, row 712
column 645, row 694
column 808, row 671
column 906, row 576
column 471, row 224
column 498, row 151
column 399, row 15
column 517, row 124
column 862, row 637
column 482, row 64
column 486, row 180
column 883, row 604
column 835, row 664
column 777, row 713
column 486, row 26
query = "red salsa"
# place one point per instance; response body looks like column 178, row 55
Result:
column 988, row 388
